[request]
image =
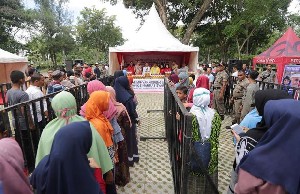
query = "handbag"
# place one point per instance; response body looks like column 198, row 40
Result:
column 200, row 150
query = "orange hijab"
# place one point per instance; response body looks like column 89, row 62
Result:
column 95, row 106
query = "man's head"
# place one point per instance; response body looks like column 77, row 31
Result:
column 17, row 77
column 50, row 74
column 85, row 66
column 244, row 66
column 241, row 75
column 57, row 75
column 182, row 92
column 96, row 64
column 253, row 74
column 220, row 67
column 31, row 71
column 37, row 80
column 269, row 67
column 208, row 70
column 154, row 64
column 146, row 64
column 131, row 64
column 183, row 65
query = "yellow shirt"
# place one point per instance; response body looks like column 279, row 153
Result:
column 155, row 70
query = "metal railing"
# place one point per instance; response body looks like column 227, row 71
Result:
column 178, row 134
column 17, row 119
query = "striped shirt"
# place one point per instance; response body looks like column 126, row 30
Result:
column 35, row 92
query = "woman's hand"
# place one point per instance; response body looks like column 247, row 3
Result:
column 237, row 137
column 93, row 163
column 177, row 116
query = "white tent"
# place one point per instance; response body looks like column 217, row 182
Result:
column 153, row 39
column 10, row 62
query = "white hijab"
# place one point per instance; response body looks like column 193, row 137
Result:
column 204, row 114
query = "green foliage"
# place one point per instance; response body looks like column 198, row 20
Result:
column 97, row 31
column 13, row 17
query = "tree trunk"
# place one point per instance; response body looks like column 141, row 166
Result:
column 238, row 48
column 161, row 5
column 196, row 19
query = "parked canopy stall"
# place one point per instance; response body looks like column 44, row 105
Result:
column 284, row 51
column 153, row 43
column 10, row 62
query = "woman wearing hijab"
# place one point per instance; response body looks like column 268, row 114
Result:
column 273, row 166
column 118, row 73
column 64, row 107
column 202, row 82
column 125, row 96
column 110, row 114
column 122, row 167
column 206, row 125
column 249, row 140
column 174, row 78
column 66, row 170
column 183, row 79
column 12, row 174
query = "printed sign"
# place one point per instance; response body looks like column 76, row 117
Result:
column 291, row 76
column 148, row 85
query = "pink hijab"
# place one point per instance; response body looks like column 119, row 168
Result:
column 96, row 85
column 12, row 168
column 119, row 106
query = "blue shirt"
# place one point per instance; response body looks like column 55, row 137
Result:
column 251, row 119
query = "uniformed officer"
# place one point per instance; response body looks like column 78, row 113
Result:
column 248, row 103
column 219, row 87
column 269, row 75
column 238, row 93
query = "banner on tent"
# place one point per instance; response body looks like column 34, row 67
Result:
column 148, row 85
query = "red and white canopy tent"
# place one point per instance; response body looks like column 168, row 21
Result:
column 152, row 43
column 286, row 50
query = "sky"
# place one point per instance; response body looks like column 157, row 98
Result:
column 125, row 19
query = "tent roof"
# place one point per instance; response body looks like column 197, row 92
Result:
column 7, row 57
column 288, row 46
column 153, row 36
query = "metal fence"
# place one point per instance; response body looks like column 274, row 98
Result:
column 178, row 134
column 16, row 119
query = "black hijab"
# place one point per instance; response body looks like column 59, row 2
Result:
column 118, row 73
column 66, row 169
column 261, row 98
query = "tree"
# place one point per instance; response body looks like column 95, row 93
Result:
column 172, row 11
column 13, row 17
column 54, row 25
column 97, row 31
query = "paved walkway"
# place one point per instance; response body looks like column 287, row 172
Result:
column 153, row 173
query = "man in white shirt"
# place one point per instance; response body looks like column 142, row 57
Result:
column 146, row 69
column 34, row 92
column 207, row 72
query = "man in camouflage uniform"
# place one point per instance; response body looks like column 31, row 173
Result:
column 269, row 75
column 238, row 93
column 219, row 87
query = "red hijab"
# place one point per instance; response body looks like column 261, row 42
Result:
column 202, row 82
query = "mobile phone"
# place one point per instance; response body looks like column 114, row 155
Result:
column 238, row 129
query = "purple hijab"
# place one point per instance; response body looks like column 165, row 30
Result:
column 12, row 168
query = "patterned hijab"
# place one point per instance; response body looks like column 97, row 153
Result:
column 95, row 106
column 204, row 114
column 12, row 168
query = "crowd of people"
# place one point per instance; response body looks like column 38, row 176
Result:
column 145, row 68
column 265, row 150
column 91, row 152
column 87, row 153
